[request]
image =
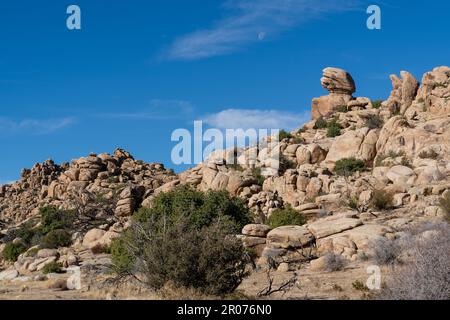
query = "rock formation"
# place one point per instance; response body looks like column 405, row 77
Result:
column 340, row 86
column 405, row 146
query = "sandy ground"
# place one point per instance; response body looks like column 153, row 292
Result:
column 309, row 285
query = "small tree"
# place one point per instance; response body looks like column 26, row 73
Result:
column 283, row 134
column 186, row 239
column 286, row 217
column 333, row 129
column 374, row 122
column 12, row 251
column 348, row 166
column 53, row 218
column 381, row 199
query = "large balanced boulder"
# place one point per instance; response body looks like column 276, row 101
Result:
column 340, row 86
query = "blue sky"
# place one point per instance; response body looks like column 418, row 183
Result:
column 140, row 69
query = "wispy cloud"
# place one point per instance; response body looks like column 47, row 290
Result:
column 33, row 126
column 159, row 109
column 249, row 21
column 256, row 118
column 3, row 182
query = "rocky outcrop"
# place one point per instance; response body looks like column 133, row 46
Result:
column 104, row 180
column 403, row 93
column 360, row 144
column 434, row 91
column 340, row 86
column 405, row 145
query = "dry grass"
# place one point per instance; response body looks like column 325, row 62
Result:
column 425, row 273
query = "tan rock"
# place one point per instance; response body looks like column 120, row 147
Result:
column 289, row 237
column 256, row 230
column 360, row 144
column 92, row 237
column 327, row 227
column 401, row 175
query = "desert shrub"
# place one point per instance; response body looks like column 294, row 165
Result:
column 100, row 248
column 342, row 108
column 351, row 202
column 381, row 199
column 301, row 130
column 286, row 164
column 236, row 167
column 185, row 239
column 333, row 129
column 201, row 208
column 377, row 103
column 286, row 217
column 283, row 134
column 121, row 257
column 298, row 140
column 32, row 252
column 12, row 251
column 257, row 175
column 430, row 154
column 53, row 218
column 206, row 259
column 348, row 166
column 359, row 285
column 333, row 262
column 374, row 122
column 384, row 251
column 52, row 267
column 425, row 276
column 444, row 203
column 321, row 123
column 57, row 238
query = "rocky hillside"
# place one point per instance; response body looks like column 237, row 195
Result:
column 335, row 170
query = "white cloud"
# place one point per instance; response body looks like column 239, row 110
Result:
column 159, row 109
column 257, row 119
column 33, row 126
column 248, row 21
column 3, row 182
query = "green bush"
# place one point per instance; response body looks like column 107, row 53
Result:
column 430, row 154
column 374, row 122
column 28, row 234
column 257, row 175
column 199, row 207
column 333, row 129
column 53, row 218
column 342, row 109
column 348, row 166
column 321, row 123
column 352, row 202
column 121, row 256
column 377, row 103
column 286, row 217
column 286, row 164
column 101, row 248
column 381, row 199
column 283, row 134
column 57, row 238
column 186, row 240
column 12, row 251
column 207, row 259
column 52, row 267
